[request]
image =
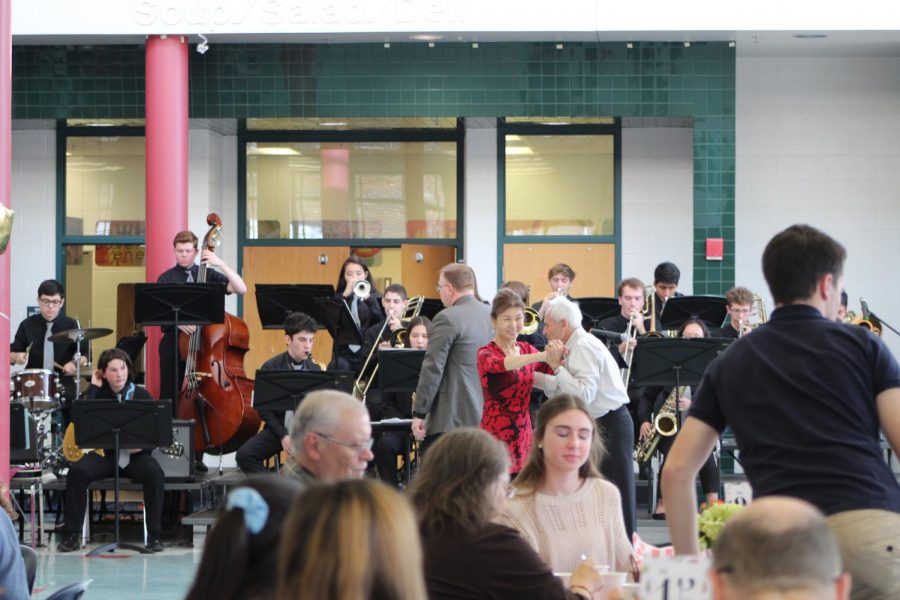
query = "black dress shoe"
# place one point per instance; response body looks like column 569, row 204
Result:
column 200, row 466
column 70, row 543
column 658, row 516
column 154, row 545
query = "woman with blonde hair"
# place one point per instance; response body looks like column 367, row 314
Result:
column 460, row 488
column 351, row 540
column 562, row 506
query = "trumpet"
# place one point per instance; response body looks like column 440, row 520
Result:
column 532, row 322
column 362, row 289
column 664, row 425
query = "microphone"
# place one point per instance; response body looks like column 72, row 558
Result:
column 609, row 335
column 865, row 309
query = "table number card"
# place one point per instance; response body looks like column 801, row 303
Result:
column 676, row 578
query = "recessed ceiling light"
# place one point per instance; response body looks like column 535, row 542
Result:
column 687, row 44
column 273, row 151
column 387, row 44
column 475, row 44
column 810, row 36
column 559, row 46
column 629, row 45
column 332, row 123
column 426, row 37
column 518, row 150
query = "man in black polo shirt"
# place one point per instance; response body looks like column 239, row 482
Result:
column 805, row 397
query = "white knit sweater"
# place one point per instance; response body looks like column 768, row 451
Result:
column 562, row 528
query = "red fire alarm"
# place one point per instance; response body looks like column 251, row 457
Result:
column 715, row 248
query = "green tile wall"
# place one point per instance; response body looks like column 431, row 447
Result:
column 368, row 80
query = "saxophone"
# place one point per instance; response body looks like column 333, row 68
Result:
column 664, row 425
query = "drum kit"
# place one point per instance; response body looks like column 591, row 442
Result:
column 42, row 395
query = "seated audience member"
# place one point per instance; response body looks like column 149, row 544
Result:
column 350, row 541
column 13, row 579
column 240, row 556
column 111, row 381
column 562, row 506
column 398, row 405
column 299, row 332
column 739, row 304
column 778, row 548
column 331, row 438
column 461, row 487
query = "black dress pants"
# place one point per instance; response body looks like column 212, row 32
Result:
column 255, row 451
column 93, row 467
column 617, row 431
column 386, row 449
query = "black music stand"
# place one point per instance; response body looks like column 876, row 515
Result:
column 283, row 390
column 179, row 304
column 275, row 301
column 399, row 373
column 594, row 310
column 431, row 307
column 134, row 424
column 339, row 322
column 399, row 369
column 709, row 309
column 673, row 361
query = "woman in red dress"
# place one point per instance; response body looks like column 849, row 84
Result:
column 506, row 368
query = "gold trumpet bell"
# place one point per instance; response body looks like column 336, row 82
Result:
column 532, row 322
column 6, row 222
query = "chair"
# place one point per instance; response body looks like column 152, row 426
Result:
column 73, row 591
column 31, row 559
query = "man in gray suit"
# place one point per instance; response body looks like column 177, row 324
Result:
column 449, row 392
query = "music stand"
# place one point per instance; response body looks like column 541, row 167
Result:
column 399, row 369
column 673, row 361
column 283, row 390
column 711, row 310
column 179, row 304
column 141, row 424
column 399, row 373
column 594, row 310
column 275, row 301
column 431, row 307
column 339, row 322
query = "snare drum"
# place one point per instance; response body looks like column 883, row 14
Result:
column 37, row 389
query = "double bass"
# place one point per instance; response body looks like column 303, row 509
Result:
column 215, row 391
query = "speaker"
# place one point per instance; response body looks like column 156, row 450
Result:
column 177, row 461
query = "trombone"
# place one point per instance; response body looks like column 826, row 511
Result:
column 532, row 321
column 397, row 340
column 651, row 308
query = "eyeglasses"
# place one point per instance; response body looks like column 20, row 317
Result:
column 443, row 285
column 46, row 302
column 358, row 448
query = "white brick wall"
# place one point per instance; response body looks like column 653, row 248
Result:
column 657, row 202
column 818, row 142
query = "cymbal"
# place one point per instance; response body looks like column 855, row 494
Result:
column 91, row 333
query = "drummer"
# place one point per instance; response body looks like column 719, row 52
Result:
column 31, row 348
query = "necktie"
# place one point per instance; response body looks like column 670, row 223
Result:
column 48, row 348
column 354, row 312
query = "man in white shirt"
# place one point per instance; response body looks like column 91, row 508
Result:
column 591, row 373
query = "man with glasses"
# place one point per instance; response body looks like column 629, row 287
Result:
column 331, row 438
column 31, row 348
column 449, row 392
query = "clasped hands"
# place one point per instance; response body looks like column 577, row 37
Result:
column 556, row 353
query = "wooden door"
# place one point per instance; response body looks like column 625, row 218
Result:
column 420, row 265
column 285, row 264
column 594, row 266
